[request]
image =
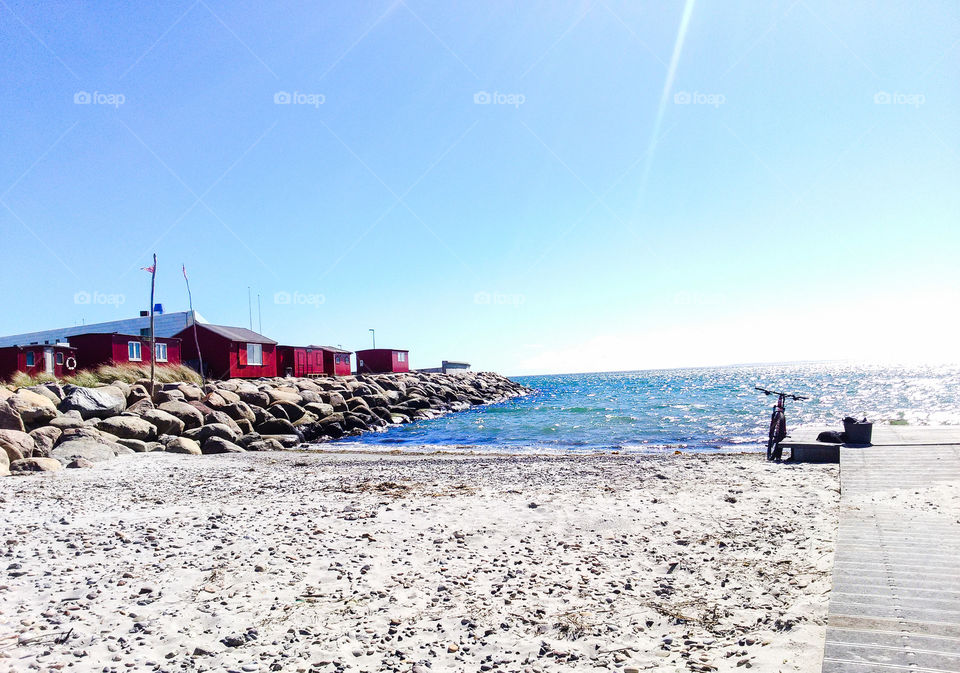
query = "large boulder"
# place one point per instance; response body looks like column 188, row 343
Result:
column 27, row 465
column 71, row 419
column 321, row 409
column 44, row 440
column 48, row 392
column 9, row 417
column 183, row 445
column 129, row 427
column 138, row 445
column 283, row 395
column 254, row 397
column 276, row 426
column 222, row 419
column 204, row 432
column 220, row 445
column 34, row 408
column 93, row 449
column 165, row 422
column 140, row 407
column 17, row 445
column 190, row 415
column 4, row 464
column 95, row 402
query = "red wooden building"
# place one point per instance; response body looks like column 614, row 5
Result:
column 312, row 361
column 56, row 359
column 382, row 361
column 97, row 349
column 229, row 352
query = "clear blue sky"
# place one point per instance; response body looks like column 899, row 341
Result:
column 798, row 173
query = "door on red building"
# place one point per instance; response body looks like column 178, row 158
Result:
column 300, row 363
column 48, row 360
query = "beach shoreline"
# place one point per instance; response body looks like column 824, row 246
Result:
column 317, row 561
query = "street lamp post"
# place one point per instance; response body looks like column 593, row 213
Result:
column 373, row 333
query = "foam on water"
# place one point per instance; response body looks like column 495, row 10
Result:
column 713, row 409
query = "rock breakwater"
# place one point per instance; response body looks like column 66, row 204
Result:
column 51, row 426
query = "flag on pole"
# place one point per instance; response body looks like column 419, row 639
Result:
column 151, row 269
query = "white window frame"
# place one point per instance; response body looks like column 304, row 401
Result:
column 31, row 359
column 58, row 358
column 160, row 348
column 134, row 346
column 255, row 349
column 401, row 356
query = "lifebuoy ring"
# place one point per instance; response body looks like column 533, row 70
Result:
column 70, row 363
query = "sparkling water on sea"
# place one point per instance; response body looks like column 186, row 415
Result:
column 711, row 409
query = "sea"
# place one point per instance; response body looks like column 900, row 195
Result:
column 704, row 410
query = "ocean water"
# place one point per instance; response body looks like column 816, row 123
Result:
column 713, row 409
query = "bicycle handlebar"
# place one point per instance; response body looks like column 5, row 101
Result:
column 793, row 396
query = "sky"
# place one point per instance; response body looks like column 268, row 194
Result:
column 533, row 187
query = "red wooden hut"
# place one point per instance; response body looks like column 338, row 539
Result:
column 299, row 361
column 55, row 359
column 382, row 361
column 229, row 352
column 312, row 361
column 336, row 361
column 97, row 349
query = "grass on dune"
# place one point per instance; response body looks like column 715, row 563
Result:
column 126, row 372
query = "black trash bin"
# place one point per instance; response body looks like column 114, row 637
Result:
column 858, row 432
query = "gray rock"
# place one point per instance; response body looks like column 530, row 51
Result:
column 183, row 445
column 44, row 440
column 220, row 445
column 276, row 426
column 4, row 464
column 190, row 415
column 16, row 445
column 136, row 444
column 203, row 433
column 35, row 409
column 165, row 422
column 95, row 402
column 89, row 448
column 27, row 465
column 129, row 427
column 79, row 463
column 9, row 418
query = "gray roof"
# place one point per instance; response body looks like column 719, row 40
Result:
column 332, row 349
column 239, row 334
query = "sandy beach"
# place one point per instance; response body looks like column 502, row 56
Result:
column 299, row 561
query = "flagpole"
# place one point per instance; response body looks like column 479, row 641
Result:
column 196, row 339
column 153, row 337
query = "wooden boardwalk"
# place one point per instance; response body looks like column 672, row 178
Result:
column 895, row 604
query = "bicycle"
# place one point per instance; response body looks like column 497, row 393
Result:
column 778, row 421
